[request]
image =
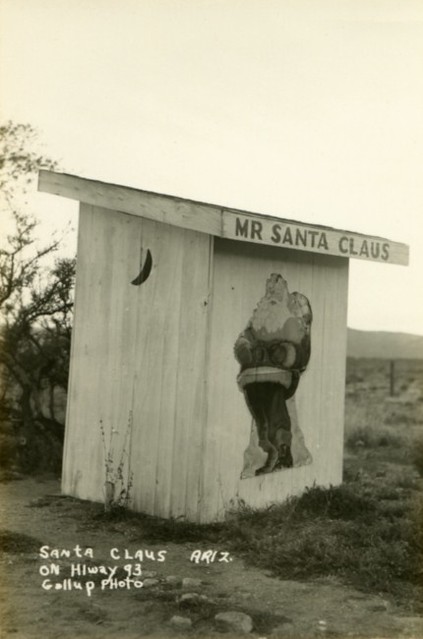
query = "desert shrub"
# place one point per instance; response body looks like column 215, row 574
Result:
column 360, row 436
column 8, row 445
column 371, row 437
column 402, row 417
column 36, row 300
column 417, row 455
column 15, row 543
column 386, row 437
column 354, row 378
column 340, row 502
column 362, row 418
column 370, row 540
column 367, row 535
column 405, row 478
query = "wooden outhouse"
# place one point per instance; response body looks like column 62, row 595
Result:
column 208, row 352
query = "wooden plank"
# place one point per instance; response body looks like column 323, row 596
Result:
column 156, row 343
column 226, row 222
column 102, row 350
column 143, row 352
column 160, row 208
column 227, row 429
column 240, row 273
column 69, row 475
column 138, row 357
column 326, row 372
column 83, row 465
column 188, row 453
column 301, row 237
column 170, row 344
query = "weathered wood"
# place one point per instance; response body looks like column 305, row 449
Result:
column 226, row 222
column 103, row 353
column 161, row 299
column 138, row 362
column 306, row 237
column 152, row 206
column 169, row 371
column 239, row 277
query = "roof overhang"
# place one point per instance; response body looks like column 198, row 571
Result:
column 225, row 222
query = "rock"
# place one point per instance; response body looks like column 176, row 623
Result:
column 377, row 608
column 192, row 598
column 148, row 583
column 285, row 630
column 181, row 622
column 322, row 626
column 234, row 621
column 172, row 580
column 190, row 582
column 149, row 573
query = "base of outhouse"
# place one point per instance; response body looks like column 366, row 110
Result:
column 259, row 492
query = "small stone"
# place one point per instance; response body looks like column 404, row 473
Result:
column 172, row 580
column 285, row 630
column 377, row 608
column 148, row 583
column 235, row 621
column 181, row 622
column 190, row 582
column 322, row 626
column 192, row 598
column 149, row 573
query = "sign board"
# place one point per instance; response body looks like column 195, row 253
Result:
column 301, row 237
column 219, row 221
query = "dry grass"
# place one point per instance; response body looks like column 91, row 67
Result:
column 367, row 532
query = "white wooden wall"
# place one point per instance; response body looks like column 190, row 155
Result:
column 161, row 355
column 239, row 277
column 138, row 351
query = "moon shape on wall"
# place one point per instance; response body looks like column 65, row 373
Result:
column 145, row 270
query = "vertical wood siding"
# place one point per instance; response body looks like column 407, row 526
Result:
column 138, row 355
column 240, row 274
column 159, row 358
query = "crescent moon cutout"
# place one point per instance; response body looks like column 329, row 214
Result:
column 145, row 271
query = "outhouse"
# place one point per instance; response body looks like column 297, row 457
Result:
column 208, row 352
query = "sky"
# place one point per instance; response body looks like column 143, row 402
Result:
column 303, row 109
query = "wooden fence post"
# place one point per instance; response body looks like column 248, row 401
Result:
column 392, row 378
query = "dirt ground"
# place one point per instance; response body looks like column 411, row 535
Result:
column 278, row 608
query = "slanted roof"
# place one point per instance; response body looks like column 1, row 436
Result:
column 222, row 221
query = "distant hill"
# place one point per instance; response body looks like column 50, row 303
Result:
column 381, row 344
